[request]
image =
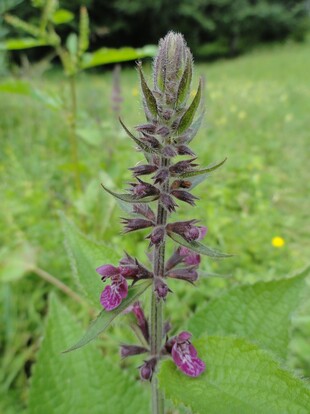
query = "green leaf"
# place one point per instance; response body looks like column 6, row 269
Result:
column 105, row 56
column 206, row 170
column 62, row 16
column 72, row 44
column 79, row 382
column 188, row 117
column 105, row 318
column 198, row 247
column 15, row 264
column 86, row 256
column 240, row 379
column 16, row 86
column 144, row 147
column 148, row 96
column 21, row 43
column 51, row 100
column 260, row 312
column 129, row 198
column 185, row 82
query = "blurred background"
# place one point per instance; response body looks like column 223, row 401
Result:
column 67, row 74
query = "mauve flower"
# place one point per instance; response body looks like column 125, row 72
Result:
column 185, row 356
column 188, row 230
column 113, row 294
column 107, row 271
column 189, row 257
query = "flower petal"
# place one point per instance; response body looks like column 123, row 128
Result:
column 107, row 270
column 110, row 298
column 185, row 357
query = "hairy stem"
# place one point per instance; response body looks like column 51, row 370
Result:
column 56, row 282
column 73, row 137
column 157, row 304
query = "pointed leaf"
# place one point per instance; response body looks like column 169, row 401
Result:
column 129, row 198
column 62, row 16
column 240, row 379
column 185, row 82
column 105, row 318
column 149, row 98
column 188, row 117
column 106, row 56
column 206, row 170
column 21, row 43
column 83, row 31
column 79, row 382
column 198, row 247
column 86, row 256
column 261, row 312
column 144, row 147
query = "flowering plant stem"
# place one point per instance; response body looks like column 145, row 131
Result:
column 156, row 303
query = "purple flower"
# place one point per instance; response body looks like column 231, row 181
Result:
column 188, row 230
column 188, row 274
column 135, row 224
column 107, row 271
column 113, row 294
column 185, row 356
column 141, row 320
column 189, row 257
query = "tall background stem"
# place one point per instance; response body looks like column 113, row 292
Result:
column 73, row 136
column 158, row 406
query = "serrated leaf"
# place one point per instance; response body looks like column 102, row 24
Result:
column 21, row 43
column 129, row 198
column 206, row 170
column 86, row 256
column 62, row 16
column 79, row 382
column 260, row 313
column 144, row 147
column 240, row 379
column 105, row 318
column 198, row 247
column 149, row 98
column 105, row 56
column 188, row 116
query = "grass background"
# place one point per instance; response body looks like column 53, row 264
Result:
column 257, row 115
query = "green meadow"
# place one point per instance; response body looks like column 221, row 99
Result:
column 256, row 206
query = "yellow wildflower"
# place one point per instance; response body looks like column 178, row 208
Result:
column 278, row 241
column 241, row 115
column 135, row 92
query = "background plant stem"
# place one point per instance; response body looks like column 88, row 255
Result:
column 73, row 137
column 158, row 406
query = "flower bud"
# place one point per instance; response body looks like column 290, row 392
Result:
column 184, row 196
column 173, row 69
column 147, row 369
column 157, row 236
column 143, row 169
column 131, row 350
column 135, row 224
column 161, row 288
